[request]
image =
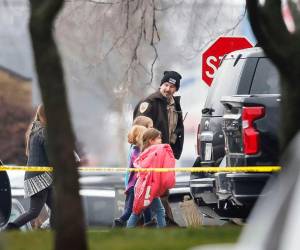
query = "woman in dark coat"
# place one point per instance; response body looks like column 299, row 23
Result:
column 37, row 185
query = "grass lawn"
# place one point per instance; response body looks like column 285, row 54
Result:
column 137, row 239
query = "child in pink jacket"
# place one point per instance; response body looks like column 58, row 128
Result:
column 135, row 139
column 151, row 185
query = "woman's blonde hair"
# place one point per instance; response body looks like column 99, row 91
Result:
column 135, row 135
column 39, row 115
column 143, row 121
column 149, row 135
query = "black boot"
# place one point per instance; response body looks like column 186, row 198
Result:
column 118, row 223
column 11, row 226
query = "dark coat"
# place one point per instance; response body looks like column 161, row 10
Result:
column 157, row 110
column 37, row 150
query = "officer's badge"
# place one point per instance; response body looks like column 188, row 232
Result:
column 144, row 106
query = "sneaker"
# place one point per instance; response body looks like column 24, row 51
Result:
column 118, row 223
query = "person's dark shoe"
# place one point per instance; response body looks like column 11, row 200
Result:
column 11, row 226
column 151, row 223
column 119, row 223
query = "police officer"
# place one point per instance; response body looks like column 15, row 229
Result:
column 165, row 111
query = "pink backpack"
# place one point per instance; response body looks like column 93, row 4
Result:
column 151, row 184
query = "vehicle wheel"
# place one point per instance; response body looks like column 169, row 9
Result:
column 5, row 198
column 16, row 210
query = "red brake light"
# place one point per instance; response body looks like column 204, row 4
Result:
column 251, row 138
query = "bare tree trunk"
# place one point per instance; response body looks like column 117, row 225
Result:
column 69, row 223
column 283, row 48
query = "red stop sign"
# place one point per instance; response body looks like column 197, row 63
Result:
column 212, row 56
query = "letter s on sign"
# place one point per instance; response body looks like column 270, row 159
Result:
column 209, row 63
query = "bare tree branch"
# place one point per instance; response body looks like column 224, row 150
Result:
column 212, row 35
column 127, row 14
column 168, row 7
column 154, row 32
column 137, row 7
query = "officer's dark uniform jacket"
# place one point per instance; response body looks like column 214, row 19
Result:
column 155, row 107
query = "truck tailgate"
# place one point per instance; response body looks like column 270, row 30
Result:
column 266, row 126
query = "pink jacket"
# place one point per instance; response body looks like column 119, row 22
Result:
column 151, row 185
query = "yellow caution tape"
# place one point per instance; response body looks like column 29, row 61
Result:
column 26, row 168
column 240, row 169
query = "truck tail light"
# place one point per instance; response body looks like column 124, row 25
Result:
column 198, row 143
column 251, row 140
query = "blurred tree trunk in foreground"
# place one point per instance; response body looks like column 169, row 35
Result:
column 281, row 43
column 283, row 48
column 69, row 223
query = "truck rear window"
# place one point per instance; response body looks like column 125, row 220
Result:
column 266, row 78
column 225, row 83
